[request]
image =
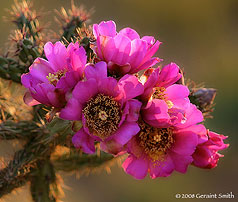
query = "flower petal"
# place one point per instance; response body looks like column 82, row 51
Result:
column 134, row 110
column 192, row 116
column 107, row 28
column 29, row 100
column 161, row 168
column 130, row 33
column 72, row 111
column 181, row 162
column 138, row 52
column 85, row 90
column 40, row 69
column 97, row 71
column 169, row 75
column 108, row 86
column 56, row 55
column 123, row 46
column 185, row 142
column 130, row 87
column 126, row 132
column 84, row 142
column 156, row 113
column 136, row 167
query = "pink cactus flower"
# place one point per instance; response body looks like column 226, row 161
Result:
column 160, row 151
column 125, row 52
column 106, row 108
column 164, row 102
column 206, row 154
column 48, row 81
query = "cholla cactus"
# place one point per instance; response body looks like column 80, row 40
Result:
column 94, row 97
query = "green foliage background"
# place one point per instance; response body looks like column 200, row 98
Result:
column 201, row 37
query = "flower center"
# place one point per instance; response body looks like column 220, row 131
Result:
column 160, row 94
column 54, row 78
column 155, row 141
column 102, row 114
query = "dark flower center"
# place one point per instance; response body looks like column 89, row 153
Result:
column 102, row 114
column 155, row 141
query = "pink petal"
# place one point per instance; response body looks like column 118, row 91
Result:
column 56, row 55
column 181, row 162
column 107, row 28
column 29, row 100
column 185, row 142
column 68, row 81
column 72, row 111
column 40, row 69
column 161, row 168
column 177, row 91
column 126, row 132
column 156, row 113
column 106, row 48
column 130, row 33
column 200, row 130
column 85, row 90
column 150, row 83
column 77, row 59
column 84, row 142
column 149, row 39
column 123, row 46
column 178, row 94
column 26, row 80
column 97, row 71
column 192, row 116
column 136, row 167
column 134, row 110
column 169, row 75
column 138, row 52
column 96, row 31
column 54, row 99
column 152, row 50
column 108, row 86
column 202, row 157
column 149, row 63
column 130, row 87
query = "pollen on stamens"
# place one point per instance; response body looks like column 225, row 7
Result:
column 54, row 78
column 103, row 115
column 159, row 93
column 155, row 141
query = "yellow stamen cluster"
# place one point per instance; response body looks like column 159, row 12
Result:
column 159, row 93
column 54, row 78
column 102, row 114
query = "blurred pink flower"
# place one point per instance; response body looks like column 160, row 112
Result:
column 206, row 154
column 160, row 151
column 49, row 81
column 125, row 52
column 106, row 107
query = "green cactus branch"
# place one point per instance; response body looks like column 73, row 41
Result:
column 75, row 162
column 21, row 130
column 41, row 182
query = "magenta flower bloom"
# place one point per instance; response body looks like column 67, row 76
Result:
column 125, row 52
column 206, row 154
column 49, row 81
column 106, row 107
column 164, row 102
column 160, row 151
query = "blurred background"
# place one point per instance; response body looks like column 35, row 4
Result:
column 201, row 37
